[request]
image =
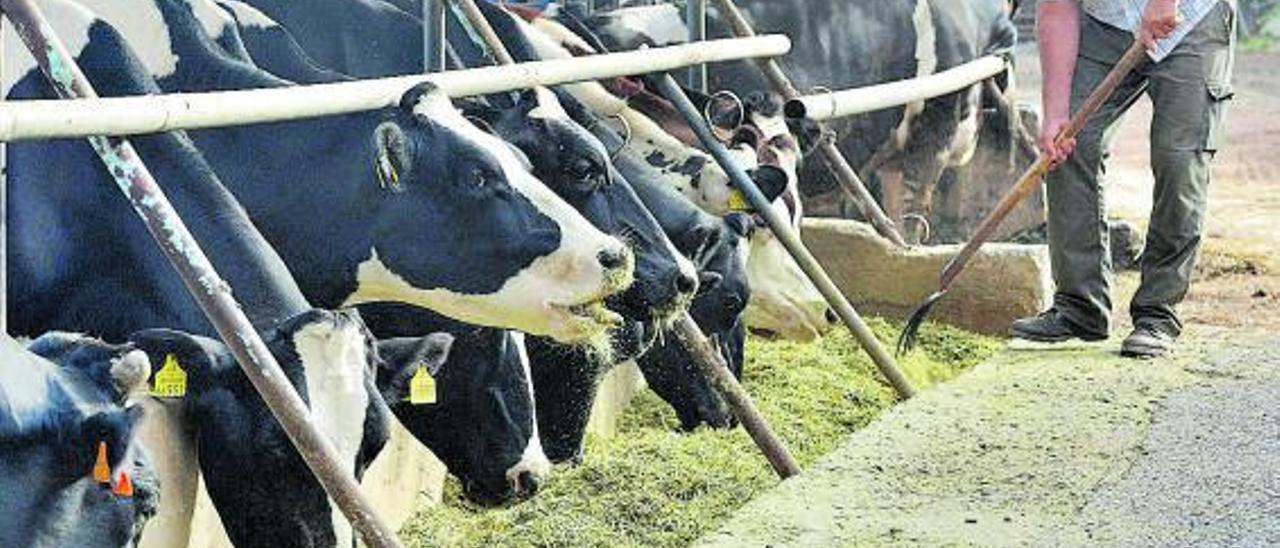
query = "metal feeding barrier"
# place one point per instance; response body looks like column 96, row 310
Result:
column 81, row 113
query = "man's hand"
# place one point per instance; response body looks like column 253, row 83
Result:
column 1049, row 129
column 1159, row 20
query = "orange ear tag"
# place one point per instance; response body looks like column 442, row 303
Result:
column 101, row 469
column 123, row 486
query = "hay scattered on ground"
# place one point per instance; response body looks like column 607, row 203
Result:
column 651, row 486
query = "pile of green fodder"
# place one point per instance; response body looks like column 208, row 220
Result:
column 653, row 486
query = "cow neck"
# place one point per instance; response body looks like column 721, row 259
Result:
column 260, row 281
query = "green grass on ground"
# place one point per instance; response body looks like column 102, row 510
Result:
column 651, row 486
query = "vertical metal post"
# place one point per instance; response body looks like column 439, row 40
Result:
column 204, row 283
column 789, row 238
column 835, row 161
column 695, row 17
column 433, row 36
column 4, row 206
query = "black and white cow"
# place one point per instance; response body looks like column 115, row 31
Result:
column 852, row 44
column 72, row 470
column 80, row 260
column 431, row 210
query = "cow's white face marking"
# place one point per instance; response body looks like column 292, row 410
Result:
column 533, row 460
column 143, row 25
column 248, row 16
column 549, row 108
column 536, row 299
column 335, row 363
column 70, row 20
column 166, row 431
column 783, row 300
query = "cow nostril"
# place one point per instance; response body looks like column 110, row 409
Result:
column 528, row 484
column 831, row 316
column 686, row 283
column 612, row 259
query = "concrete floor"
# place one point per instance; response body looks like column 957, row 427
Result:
column 1048, row 446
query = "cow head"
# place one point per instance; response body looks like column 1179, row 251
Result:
column 489, row 243
column 721, row 254
column 576, row 166
column 481, row 422
column 73, row 472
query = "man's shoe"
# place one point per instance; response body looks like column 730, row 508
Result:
column 1050, row 327
column 1147, row 342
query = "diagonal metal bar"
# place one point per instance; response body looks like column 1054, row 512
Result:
column 835, row 161
column 203, row 282
column 789, row 238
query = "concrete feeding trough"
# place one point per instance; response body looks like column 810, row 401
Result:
column 1005, row 281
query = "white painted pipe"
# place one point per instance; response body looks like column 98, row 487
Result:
column 839, row 104
column 42, row 119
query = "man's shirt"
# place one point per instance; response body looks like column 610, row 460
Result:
column 1127, row 15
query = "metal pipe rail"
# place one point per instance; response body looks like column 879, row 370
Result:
column 43, row 119
column 839, row 104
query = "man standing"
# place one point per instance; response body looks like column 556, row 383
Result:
column 1191, row 46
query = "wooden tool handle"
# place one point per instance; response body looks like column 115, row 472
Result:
column 1027, row 182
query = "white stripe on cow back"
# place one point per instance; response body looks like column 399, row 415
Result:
column 212, row 18
column 70, row 20
column 143, row 25
column 926, row 55
column 533, row 460
column 334, row 362
column 248, row 16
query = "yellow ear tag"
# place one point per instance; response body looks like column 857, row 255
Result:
column 171, row 380
column 422, row 387
column 738, row 201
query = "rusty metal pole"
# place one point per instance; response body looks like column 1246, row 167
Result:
column 433, row 36
column 789, row 238
column 202, row 281
column 835, row 161
column 695, row 17
column 4, row 207
column 709, row 361
column 713, row 365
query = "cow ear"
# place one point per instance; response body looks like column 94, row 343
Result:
column 102, row 443
column 771, row 180
column 410, row 99
column 741, row 224
column 392, row 155
column 196, row 356
column 402, row 357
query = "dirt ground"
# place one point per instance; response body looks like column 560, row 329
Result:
column 1237, row 281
